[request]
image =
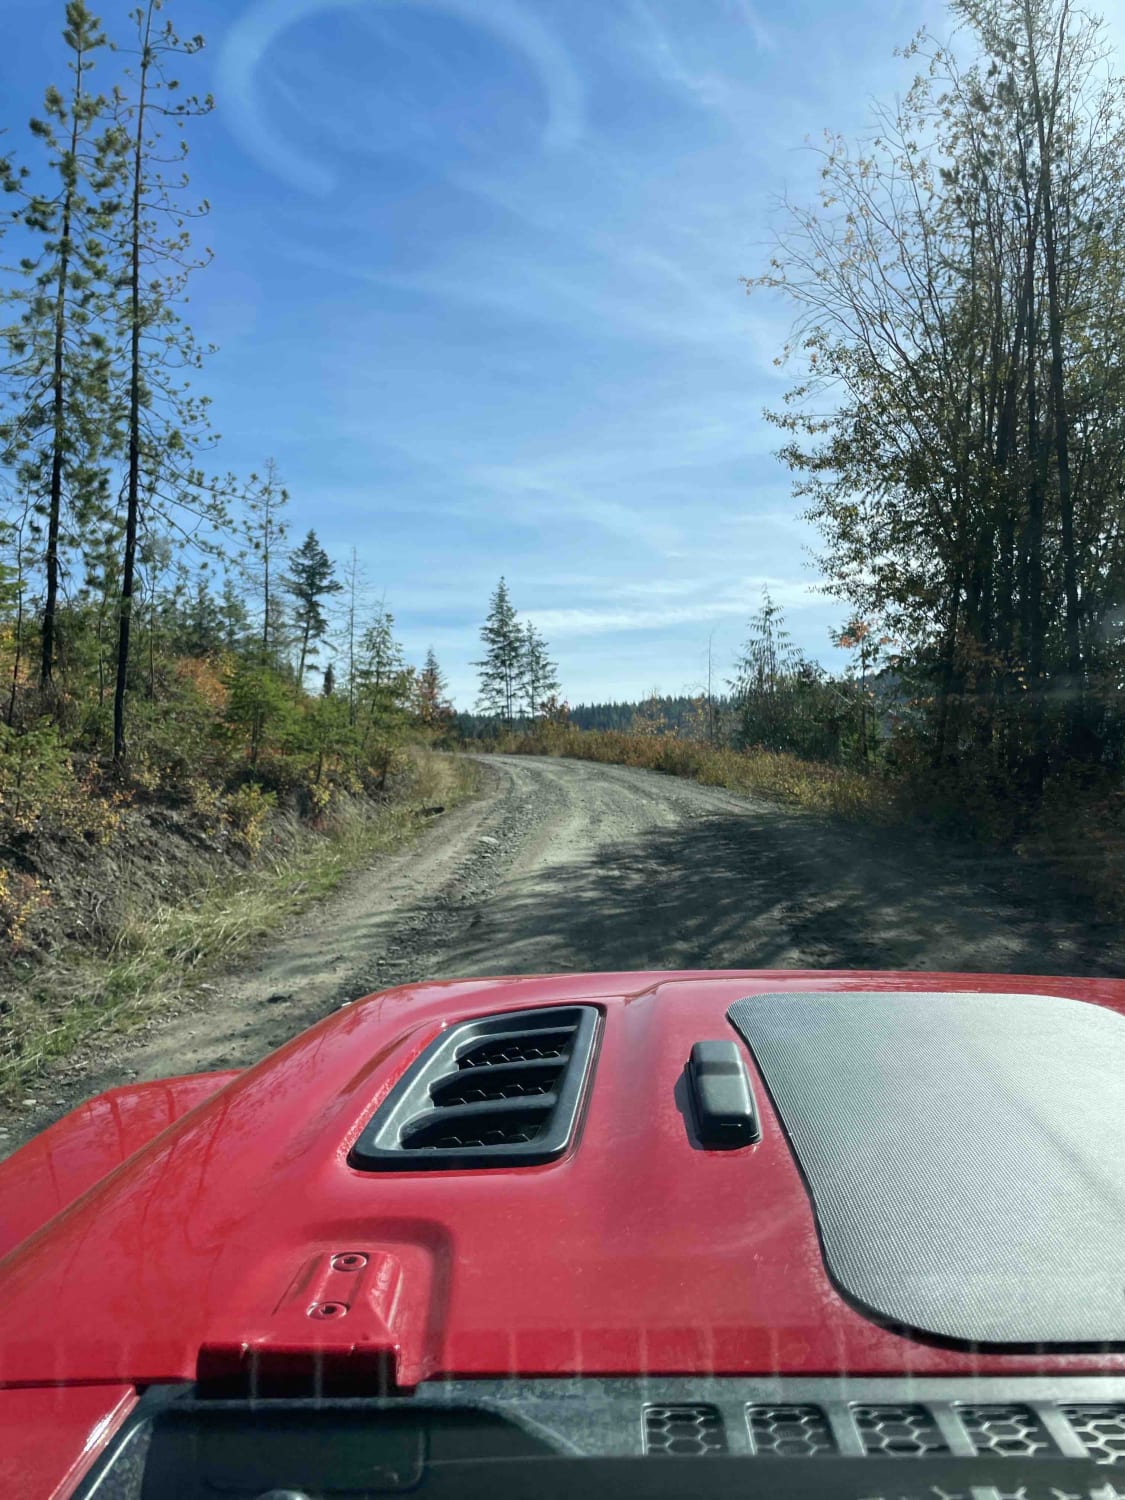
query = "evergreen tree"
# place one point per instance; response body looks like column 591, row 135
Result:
column 234, row 616
column 383, row 689
column 381, row 675
column 765, row 676
column 257, row 702
column 203, row 619
column 434, row 707
column 59, row 432
column 164, row 424
column 311, row 581
column 263, row 528
column 540, row 675
column 501, row 668
column 328, row 686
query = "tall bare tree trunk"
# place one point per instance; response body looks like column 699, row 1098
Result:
column 1045, row 132
column 58, row 401
column 128, row 572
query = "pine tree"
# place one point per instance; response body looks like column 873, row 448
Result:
column 765, row 676
column 434, row 707
column 203, row 619
column 234, row 616
column 380, row 674
column 264, row 529
column 384, row 684
column 328, row 687
column 501, row 668
column 60, row 432
column 352, row 585
column 540, row 675
column 164, row 424
column 311, row 581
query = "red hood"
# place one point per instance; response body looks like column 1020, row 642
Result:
column 635, row 1253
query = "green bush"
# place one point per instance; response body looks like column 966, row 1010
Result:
column 40, row 789
column 247, row 813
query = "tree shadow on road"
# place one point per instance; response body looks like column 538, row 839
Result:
column 784, row 891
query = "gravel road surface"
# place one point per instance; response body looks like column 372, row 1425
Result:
column 568, row 865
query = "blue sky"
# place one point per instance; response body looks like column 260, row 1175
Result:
column 476, row 288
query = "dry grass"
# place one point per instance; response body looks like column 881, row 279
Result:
column 160, row 954
column 1078, row 832
column 820, row 788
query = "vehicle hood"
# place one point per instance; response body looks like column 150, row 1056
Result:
column 638, row 1251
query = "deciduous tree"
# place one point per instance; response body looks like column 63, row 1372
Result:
column 960, row 290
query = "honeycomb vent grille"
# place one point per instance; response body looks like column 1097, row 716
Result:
column 684, row 1431
column 1101, row 1427
column 789, row 1431
column 1011, row 1431
column 905, row 1431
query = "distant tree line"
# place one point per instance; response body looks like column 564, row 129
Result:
column 679, row 712
column 776, row 699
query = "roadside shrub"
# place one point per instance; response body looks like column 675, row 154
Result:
column 39, row 788
column 259, row 710
column 384, row 756
column 35, row 776
column 247, row 813
column 171, row 741
column 1081, row 830
column 205, row 800
column 318, row 798
column 20, row 896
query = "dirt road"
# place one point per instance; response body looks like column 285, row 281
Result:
column 571, row 865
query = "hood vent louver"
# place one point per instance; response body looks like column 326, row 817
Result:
column 496, row 1091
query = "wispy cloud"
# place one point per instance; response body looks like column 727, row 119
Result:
column 263, row 23
column 791, row 594
column 537, row 293
column 764, row 36
column 709, row 88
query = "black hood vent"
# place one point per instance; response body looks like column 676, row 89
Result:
column 498, row 1091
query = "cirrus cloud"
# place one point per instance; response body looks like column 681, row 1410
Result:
column 263, row 23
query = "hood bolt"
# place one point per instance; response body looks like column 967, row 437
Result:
column 353, row 1260
column 328, row 1310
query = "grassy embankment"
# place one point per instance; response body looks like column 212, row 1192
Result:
column 158, row 951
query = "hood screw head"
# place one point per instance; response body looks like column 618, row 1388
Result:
column 352, row 1260
column 328, row 1310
